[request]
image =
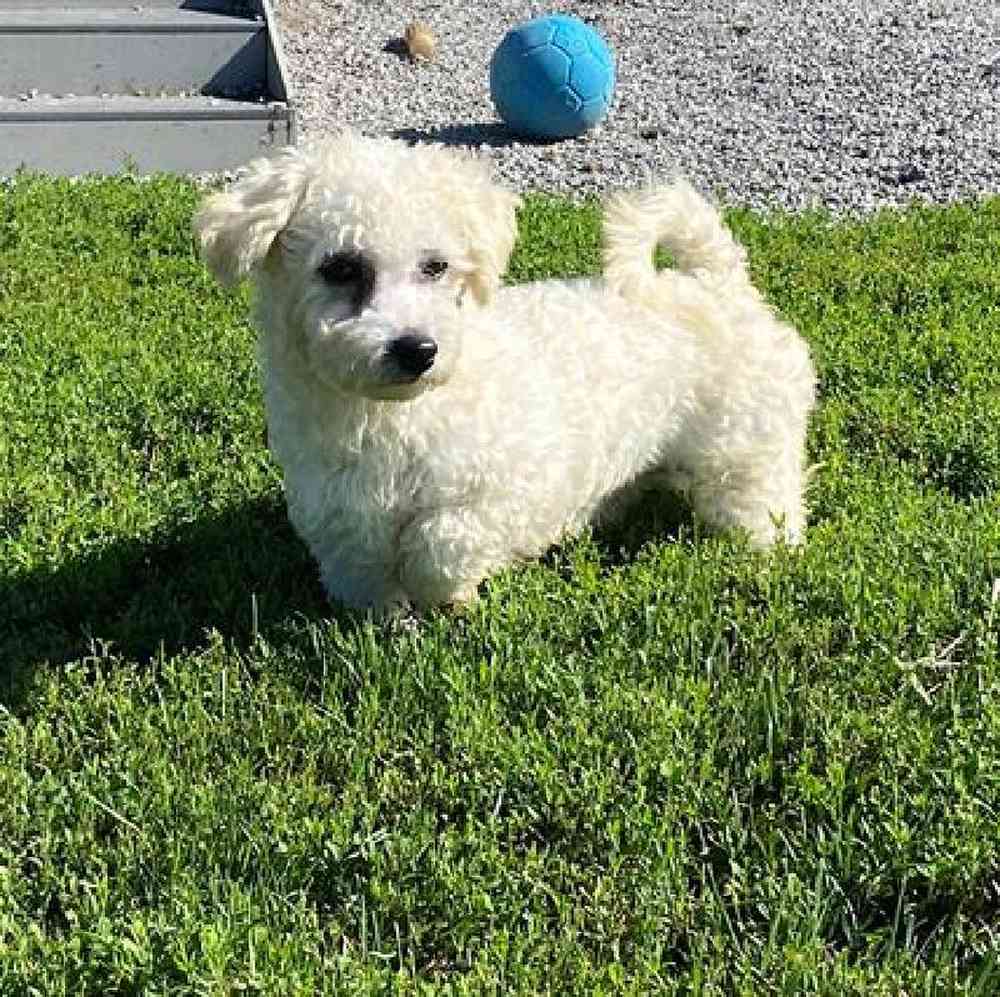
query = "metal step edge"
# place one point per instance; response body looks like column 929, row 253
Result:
column 229, row 8
column 81, row 109
column 276, row 65
column 146, row 22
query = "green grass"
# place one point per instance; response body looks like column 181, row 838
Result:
column 653, row 762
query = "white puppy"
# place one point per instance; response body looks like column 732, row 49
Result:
column 433, row 426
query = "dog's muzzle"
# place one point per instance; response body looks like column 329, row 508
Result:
column 413, row 354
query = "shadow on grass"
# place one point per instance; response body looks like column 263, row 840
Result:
column 239, row 571
column 638, row 518
column 229, row 571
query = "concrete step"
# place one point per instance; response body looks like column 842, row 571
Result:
column 239, row 8
column 128, row 49
column 106, row 135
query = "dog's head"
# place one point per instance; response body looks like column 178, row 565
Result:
column 366, row 253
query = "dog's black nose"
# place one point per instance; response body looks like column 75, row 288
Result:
column 413, row 353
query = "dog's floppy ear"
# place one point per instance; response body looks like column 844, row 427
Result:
column 491, row 253
column 488, row 215
column 236, row 228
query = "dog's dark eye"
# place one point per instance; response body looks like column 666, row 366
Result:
column 353, row 275
column 434, row 268
column 342, row 268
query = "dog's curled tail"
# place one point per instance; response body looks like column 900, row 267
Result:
column 677, row 218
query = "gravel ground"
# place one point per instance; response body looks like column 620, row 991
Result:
column 846, row 103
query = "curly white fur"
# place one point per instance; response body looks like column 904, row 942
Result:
column 543, row 402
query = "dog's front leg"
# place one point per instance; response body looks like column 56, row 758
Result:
column 359, row 571
column 445, row 554
column 364, row 590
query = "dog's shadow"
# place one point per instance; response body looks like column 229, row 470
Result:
column 237, row 571
column 638, row 517
column 241, row 572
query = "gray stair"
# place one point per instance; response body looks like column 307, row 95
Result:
column 96, row 51
column 95, row 85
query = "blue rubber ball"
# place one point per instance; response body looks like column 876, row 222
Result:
column 552, row 77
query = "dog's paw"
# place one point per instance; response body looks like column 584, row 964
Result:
column 429, row 585
column 394, row 610
column 374, row 597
